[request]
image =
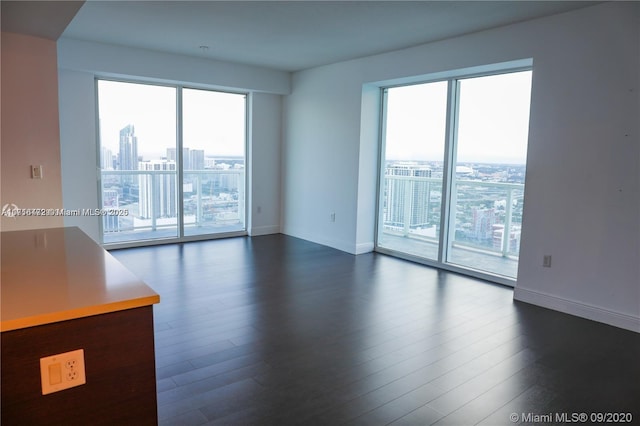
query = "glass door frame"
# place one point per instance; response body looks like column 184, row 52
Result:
column 181, row 237
column 449, row 179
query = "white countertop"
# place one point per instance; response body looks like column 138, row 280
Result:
column 58, row 274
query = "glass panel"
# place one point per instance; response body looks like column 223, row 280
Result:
column 213, row 157
column 137, row 123
column 411, row 190
column 490, row 164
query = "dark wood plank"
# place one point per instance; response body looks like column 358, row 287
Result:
column 277, row 330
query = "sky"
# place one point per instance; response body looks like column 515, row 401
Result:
column 213, row 121
column 493, row 120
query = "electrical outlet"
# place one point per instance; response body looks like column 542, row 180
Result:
column 546, row 261
column 62, row 371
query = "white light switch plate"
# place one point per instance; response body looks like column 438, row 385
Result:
column 36, row 172
column 62, row 371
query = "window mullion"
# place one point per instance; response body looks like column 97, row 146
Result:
column 381, row 161
column 447, row 222
column 179, row 163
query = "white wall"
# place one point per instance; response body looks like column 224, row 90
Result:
column 30, row 132
column 78, row 148
column 582, row 189
column 583, row 186
column 265, row 149
column 80, row 62
column 120, row 61
column 321, row 156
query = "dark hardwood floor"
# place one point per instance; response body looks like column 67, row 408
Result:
column 275, row 330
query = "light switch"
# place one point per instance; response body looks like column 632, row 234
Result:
column 36, row 172
column 55, row 373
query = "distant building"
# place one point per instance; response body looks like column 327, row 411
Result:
column 171, row 154
column 514, row 238
column 128, row 154
column 464, row 171
column 106, row 159
column 186, row 157
column 158, row 196
column 229, row 182
column 209, row 163
column 192, row 159
column 196, row 159
column 483, row 223
column 111, row 200
column 407, row 197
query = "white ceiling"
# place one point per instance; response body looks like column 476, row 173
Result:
column 294, row 35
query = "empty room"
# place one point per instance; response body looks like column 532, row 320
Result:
column 320, row 213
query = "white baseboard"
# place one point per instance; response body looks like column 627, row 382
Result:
column 344, row 246
column 264, row 230
column 364, row 248
column 594, row 313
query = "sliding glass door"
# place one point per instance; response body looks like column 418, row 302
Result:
column 411, row 198
column 453, row 172
column 172, row 162
column 490, row 162
column 213, row 153
column 137, row 124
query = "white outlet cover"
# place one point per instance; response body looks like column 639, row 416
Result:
column 62, row 371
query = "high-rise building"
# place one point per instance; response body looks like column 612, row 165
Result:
column 106, row 159
column 111, row 200
column 196, row 159
column 128, row 155
column 171, row 154
column 186, row 157
column 483, row 222
column 408, row 195
column 158, row 196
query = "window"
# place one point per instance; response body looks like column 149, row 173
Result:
column 416, row 119
column 453, row 168
column 213, row 161
column 172, row 161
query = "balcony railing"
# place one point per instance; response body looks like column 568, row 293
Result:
column 488, row 215
column 213, row 201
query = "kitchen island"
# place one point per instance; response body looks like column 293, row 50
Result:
column 60, row 292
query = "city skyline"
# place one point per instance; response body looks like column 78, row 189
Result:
column 193, row 159
column 212, row 189
column 212, row 121
column 487, row 201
